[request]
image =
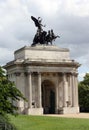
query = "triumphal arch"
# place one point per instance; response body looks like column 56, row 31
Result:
column 46, row 75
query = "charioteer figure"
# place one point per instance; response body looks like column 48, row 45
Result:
column 42, row 36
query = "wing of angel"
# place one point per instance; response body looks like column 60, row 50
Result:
column 35, row 21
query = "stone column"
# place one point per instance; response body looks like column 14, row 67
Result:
column 73, row 90
column 76, row 89
column 57, row 105
column 70, row 89
column 39, row 91
column 17, row 74
column 65, row 90
column 29, row 90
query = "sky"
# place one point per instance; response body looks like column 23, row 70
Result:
column 68, row 18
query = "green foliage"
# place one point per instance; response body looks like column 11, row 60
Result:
column 86, row 79
column 84, row 92
column 8, row 94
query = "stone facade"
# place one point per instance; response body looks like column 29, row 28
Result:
column 48, row 79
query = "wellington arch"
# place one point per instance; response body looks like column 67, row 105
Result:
column 47, row 77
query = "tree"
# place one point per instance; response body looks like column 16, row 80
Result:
column 84, row 93
column 8, row 94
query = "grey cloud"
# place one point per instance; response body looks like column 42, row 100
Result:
column 73, row 29
column 6, row 55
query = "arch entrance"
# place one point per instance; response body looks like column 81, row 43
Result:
column 48, row 97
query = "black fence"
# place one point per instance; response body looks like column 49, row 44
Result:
column 4, row 126
column 84, row 109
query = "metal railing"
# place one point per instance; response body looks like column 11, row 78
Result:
column 4, row 126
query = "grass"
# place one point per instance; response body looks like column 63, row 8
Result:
column 24, row 122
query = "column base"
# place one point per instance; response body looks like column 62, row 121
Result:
column 34, row 111
column 68, row 110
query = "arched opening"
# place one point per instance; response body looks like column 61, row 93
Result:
column 48, row 97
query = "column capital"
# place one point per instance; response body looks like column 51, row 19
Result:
column 74, row 73
column 64, row 77
column 39, row 73
column 27, row 73
column 59, row 73
column 36, row 73
column 17, row 73
column 64, row 73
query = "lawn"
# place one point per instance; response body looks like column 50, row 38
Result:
column 24, row 122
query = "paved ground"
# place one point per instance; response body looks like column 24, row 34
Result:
column 80, row 115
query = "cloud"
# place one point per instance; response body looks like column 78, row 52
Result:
column 6, row 55
column 81, row 76
column 76, row 7
column 14, row 26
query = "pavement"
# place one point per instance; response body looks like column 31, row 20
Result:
column 79, row 115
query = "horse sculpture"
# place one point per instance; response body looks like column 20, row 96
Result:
column 41, row 36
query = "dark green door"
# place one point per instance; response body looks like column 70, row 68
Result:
column 52, row 102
